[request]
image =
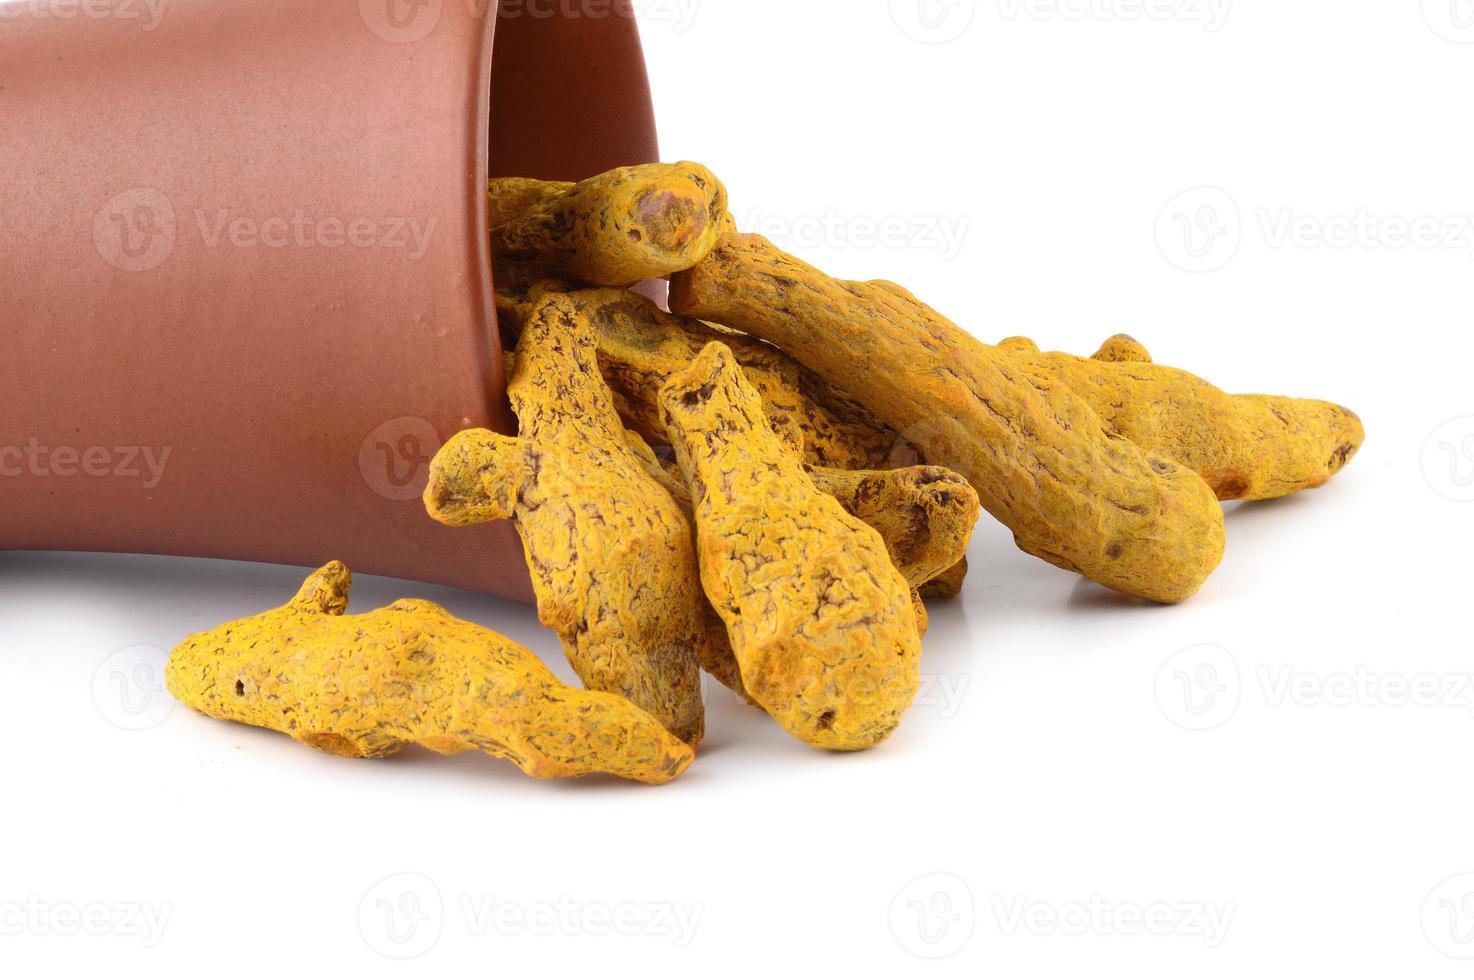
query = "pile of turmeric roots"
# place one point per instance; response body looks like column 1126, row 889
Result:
column 765, row 483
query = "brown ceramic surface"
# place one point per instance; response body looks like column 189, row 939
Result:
column 247, row 290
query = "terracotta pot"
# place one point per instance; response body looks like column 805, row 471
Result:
column 247, row 287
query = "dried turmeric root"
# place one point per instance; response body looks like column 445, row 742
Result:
column 1246, row 447
column 925, row 515
column 411, row 674
column 921, row 512
column 1073, row 492
column 821, row 623
column 946, row 586
column 509, row 198
column 640, row 346
column 615, row 229
column 1121, row 349
column 611, row 553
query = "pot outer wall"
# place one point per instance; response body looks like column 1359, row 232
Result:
column 248, row 289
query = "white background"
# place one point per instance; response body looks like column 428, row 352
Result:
column 1027, row 163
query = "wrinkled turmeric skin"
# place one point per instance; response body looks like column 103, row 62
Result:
column 615, row 229
column 924, row 514
column 509, row 198
column 1043, row 462
column 1121, row 349
column 822, row 625
column 611, row 553
column 372, row 685
column 1246, row 447
column 640, row 346
column 923, row 618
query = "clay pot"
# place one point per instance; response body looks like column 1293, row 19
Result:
column 247, row 288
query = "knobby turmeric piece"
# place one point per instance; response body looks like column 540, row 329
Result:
column 615, row 229
column 946, row 586
column 611, row 553
column 924, row 514
column 821, row 624
column 1246, row 447
column 640, row 346
column 509, row 198
column 1043, row 462
column 1120, row 349
column 369, row 686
